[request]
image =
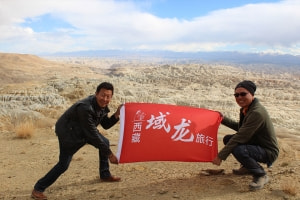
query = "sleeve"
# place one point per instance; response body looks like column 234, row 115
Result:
column 245, row 133
column 230, row 123
column 108, row 122
column 90, row 130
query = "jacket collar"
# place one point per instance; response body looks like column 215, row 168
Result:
column 255, row 100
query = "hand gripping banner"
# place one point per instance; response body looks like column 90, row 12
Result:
column 160, row 132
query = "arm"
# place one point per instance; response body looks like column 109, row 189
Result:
column 90, row 131
column 230, row 123
column 245, row 133
column 107, row 122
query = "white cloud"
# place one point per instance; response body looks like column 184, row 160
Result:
column 107, row 24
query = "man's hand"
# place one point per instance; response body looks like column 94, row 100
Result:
column 113, row 159
column 117, row 113
column 217, row 161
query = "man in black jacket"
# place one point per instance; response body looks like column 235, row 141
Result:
column 77, row 127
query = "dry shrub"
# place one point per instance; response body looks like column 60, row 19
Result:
column 25, row 129
column 52, row 112
column 5, row 124
column 45, row 123
column 290, row 187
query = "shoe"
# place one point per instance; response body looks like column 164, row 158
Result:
column 111, row 179
column 208, row 172
column 258, row 182
column 241, row 171
column 38, row 195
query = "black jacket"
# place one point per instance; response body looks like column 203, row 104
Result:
column 78, row 126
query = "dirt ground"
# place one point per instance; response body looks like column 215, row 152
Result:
column 24, row 161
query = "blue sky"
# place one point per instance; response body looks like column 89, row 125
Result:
column 49, row 26
column 188, row 9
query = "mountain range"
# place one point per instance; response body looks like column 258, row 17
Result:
column 204, row 57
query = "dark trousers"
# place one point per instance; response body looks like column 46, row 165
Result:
column 249, row 156
column 63, row 164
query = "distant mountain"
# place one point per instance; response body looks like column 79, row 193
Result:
column 207, row 57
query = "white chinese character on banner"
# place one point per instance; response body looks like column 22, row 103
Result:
column 200, row 138
column 181, row 131
column 137, row 126
column 139, row 116
column 135, row 137
column 209, row 141
column 159, row 122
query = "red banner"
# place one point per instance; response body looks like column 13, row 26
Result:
column 159, row 132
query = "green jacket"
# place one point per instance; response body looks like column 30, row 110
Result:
column 255, row 128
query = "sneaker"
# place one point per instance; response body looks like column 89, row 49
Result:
column 38, row 195
column 259, row 182
column 241, row 171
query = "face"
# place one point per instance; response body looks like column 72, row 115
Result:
column 103, row 97
column 243, row 101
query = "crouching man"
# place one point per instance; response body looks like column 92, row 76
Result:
column 255, row 141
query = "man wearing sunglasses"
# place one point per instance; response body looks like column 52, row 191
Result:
column 255, row 141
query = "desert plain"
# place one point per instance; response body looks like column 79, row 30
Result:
column 35, row 91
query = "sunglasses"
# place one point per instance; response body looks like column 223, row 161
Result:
column 242, row 94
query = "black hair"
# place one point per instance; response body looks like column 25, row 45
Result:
column 248, row 85
column 105, row 85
